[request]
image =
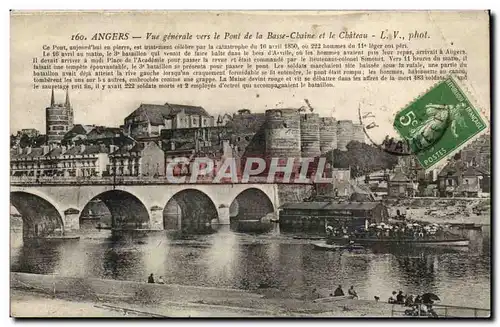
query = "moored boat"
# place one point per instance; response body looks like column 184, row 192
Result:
column 334, row 247
column 446, row 241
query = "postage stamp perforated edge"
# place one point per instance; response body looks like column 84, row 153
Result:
column 469, row 96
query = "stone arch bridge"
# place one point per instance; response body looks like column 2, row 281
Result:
column 55, row 210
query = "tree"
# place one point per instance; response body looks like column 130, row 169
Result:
column 25, row 141
column 362, row 158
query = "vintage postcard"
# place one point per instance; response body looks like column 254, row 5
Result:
column 250, row 164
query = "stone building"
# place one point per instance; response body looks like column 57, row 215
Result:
column 77, row 134
column 461, row 179
column 150, row 119
column 59, row 119
column 399, row 185
column 140, row 159
column 55, row 160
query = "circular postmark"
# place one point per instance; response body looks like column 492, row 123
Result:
column 390, row 144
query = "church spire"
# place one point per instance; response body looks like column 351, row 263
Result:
column 52, row 99
column 67, row 104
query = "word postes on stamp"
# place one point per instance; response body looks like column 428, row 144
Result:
column 439, row 122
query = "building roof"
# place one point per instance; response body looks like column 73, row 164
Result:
column 330, row 206
column 101, row 132
column 474, row 171
column 399, row 176
column 305, row 205
column 137, row 147
column 88, row 149
column 55, row 152
column 451, row 168
column 34, row 153
column 156, row 113
column 78, row 131
column 189, row 110
column 96, row 148
column 458, row 168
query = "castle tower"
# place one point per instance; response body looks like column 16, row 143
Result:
column 58, row 119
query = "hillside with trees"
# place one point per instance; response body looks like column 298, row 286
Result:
column 362, row 158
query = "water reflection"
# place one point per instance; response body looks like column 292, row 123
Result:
column 271, row 262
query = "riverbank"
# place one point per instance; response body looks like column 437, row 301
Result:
column 50, row 295
column 444, row 210
column 35, row 295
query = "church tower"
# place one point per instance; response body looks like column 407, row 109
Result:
column 58, row 119
column 67, row 104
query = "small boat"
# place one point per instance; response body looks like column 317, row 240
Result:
column 297, row 237
column 55, row 238
column 334, row 247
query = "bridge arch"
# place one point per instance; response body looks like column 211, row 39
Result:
column 124, row 209
column 250, row 204
column 189, row 210
column 41, row 216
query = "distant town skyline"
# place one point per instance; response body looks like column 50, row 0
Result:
column 383, row 98
column 109, row 108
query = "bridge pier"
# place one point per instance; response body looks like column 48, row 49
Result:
column 224, row 218
column 71, row 220
column 156, row 221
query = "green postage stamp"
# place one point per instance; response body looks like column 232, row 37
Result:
column 439, row 122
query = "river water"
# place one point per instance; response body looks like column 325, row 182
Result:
column 270, row 262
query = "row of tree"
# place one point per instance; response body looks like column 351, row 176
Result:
column 362, row 158
column 25, row 140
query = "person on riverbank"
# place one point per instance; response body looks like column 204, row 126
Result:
column 151, row 279
column 400, row 298
column 392, row 298
column 352, row 292
column 338, row 291
column 409, row 301
column 160, row 280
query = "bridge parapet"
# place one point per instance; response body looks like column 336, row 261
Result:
column 134, row 180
